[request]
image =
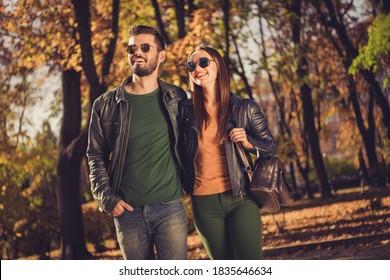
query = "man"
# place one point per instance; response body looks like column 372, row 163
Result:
column 133, row 155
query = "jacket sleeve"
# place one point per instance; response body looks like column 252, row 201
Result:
column 258, row 132
column 98, row 160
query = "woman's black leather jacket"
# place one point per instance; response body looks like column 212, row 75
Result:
column 245, row 113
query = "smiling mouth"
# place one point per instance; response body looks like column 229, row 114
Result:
column 200, row 75
column 138, row 60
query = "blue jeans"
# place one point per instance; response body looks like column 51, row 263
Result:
column 163, row 225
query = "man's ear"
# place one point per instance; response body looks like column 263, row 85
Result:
column 162, row 56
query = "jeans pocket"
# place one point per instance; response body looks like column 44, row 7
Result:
column 172, row 201
column 120, row 215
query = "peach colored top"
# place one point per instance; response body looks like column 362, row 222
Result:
column 211, row 169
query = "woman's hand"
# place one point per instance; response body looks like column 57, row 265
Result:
column 239, row 135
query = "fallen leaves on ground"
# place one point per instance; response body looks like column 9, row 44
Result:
column 318, row 222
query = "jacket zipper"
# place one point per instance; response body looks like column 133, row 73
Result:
column 124, row 136
column 196, row 154
column 239, row 189
column 166, row 104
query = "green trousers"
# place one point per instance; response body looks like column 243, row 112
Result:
column 229, row 227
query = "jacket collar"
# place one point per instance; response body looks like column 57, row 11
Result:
column 164, row 88
column 235, row 102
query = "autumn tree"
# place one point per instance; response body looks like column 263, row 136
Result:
column 345, row 33
column 73, row 138
column 55, row 35
column 289, row 71
column 266, row 12
column 29, row 223
column 334, row 19
column 306, row 97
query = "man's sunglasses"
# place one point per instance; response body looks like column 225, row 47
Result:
column 145, row 47
column 202, row 62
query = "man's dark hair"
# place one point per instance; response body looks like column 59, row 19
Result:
column 143, row 29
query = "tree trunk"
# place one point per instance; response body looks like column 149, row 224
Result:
column 368, row 135
column 180, row 18
column 304, row 171
column 379, row 98
column 109, row 55
column 307, row 103
column 83, row 18
column 308, row 116
column 191, row 7
column 293, row 180
column 160, row 23
column 226, row 16
column 68, row 169
column 241, row 72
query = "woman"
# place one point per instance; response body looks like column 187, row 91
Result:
column 225, row 216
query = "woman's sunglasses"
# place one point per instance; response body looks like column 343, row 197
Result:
column 145, row 47
column 202, row 62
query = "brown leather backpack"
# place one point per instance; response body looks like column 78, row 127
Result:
column 268, row 184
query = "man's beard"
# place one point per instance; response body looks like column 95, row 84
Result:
column 146, row 70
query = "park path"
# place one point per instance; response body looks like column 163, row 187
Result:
column 353, row 226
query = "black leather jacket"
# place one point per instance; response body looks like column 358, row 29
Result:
column 108, row 136
column 245, row 113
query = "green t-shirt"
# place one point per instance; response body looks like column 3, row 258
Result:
column 150, row 173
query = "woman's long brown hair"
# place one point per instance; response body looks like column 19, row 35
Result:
column 223, row 96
